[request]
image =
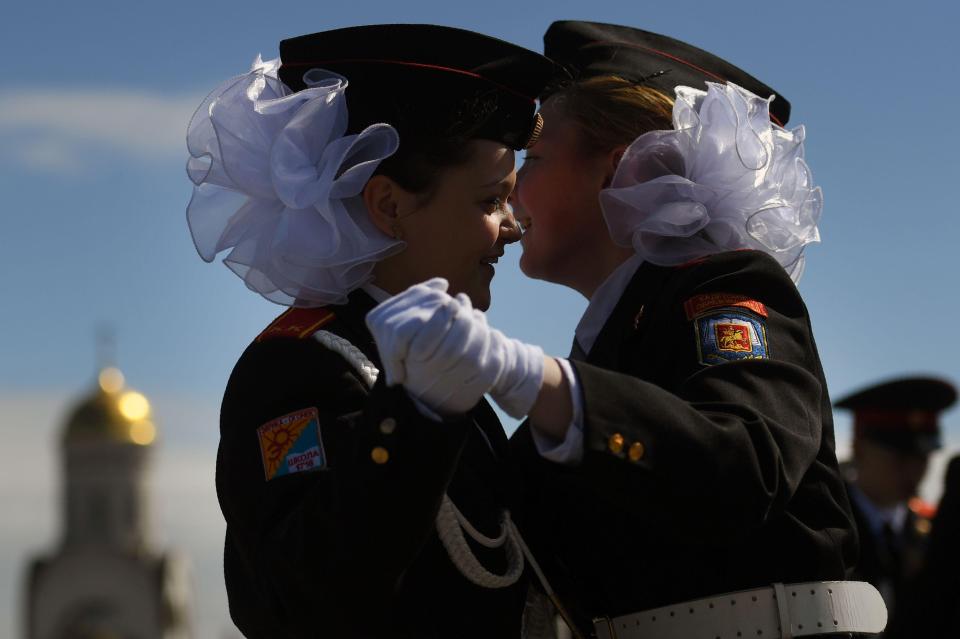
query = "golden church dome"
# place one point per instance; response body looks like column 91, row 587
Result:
column 111, row 412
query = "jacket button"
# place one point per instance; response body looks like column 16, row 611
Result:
column 379, row 455
column 388, row 425
column 615, row 443
column 636, row 451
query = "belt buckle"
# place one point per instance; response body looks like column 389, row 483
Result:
column 603, row 628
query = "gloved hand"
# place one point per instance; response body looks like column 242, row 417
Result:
column 444, row 353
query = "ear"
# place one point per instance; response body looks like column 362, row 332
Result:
column 611, row 162
column 382, row 195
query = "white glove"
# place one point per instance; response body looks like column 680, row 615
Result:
column 444, row 353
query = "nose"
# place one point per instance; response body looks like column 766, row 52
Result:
column 516, row 207
column 509, row 229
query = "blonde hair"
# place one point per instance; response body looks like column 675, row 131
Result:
column 611, row 111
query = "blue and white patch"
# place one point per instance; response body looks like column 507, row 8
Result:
column 729, row 336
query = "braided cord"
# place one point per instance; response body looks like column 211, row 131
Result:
column 354, row 356
column 450, row 526
column 451, row 523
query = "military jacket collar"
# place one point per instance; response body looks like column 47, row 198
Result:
column 353, row 326
column 627, row 318
column 603, row 301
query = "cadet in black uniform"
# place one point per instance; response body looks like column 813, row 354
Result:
column 708, row 466
column 688, row 448
column 895, row 429
column 931, row 606
column 349, row 513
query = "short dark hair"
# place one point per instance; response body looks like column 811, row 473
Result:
column 419, row 161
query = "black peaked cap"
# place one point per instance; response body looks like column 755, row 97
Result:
column 902, row 413
column 907, row 393
column 589, row 49
column 426, row 79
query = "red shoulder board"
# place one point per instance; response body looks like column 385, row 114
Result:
column 700, row 304
column 695, row 261
column 297, row 323
column 922, row 508
column 700, row 260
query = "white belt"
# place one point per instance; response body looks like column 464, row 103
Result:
column 800, row 610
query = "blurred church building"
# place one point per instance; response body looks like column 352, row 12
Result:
column 106, row 579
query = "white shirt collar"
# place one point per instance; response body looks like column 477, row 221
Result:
column 377, row 293
column 603, row 301
column 894, row 516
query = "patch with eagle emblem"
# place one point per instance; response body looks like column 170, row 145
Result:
column 729, row 336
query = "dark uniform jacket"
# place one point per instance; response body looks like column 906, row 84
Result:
column 888, row 560
column 350, row 549
column 928, row 605
column 706, row 469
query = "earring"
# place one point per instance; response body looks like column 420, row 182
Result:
column 397, row 231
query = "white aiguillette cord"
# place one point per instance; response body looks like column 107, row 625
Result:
column 451, row 523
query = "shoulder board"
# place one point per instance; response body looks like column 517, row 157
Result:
column 691, row 263
column 700, row 260
column 297, row 323
column 922, row 508
column 700, row 304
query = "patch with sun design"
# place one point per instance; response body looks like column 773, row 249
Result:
column 729, row 336
column 292, row 444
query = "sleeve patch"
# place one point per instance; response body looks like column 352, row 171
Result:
column 730, row 336
column 700, row 304
column 292, row 444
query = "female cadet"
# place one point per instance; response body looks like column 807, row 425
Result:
column 367, row 159
column 686, row 449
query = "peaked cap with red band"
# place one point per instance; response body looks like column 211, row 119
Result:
column 427, row 80
column 589, row 49
column 902, row 413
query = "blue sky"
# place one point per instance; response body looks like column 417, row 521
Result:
column 94, row 105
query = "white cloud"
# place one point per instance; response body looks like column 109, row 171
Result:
column 53, row 130
column 49, row 156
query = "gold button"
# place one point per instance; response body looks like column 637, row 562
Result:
column 388, row 425
column 636, row 451
column 379, row 455
column 615, row 443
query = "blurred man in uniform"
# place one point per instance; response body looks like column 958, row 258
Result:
column 931, row 607
column 896, row 428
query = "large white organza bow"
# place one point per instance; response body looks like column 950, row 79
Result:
column 724, row 178
column 278, row 183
